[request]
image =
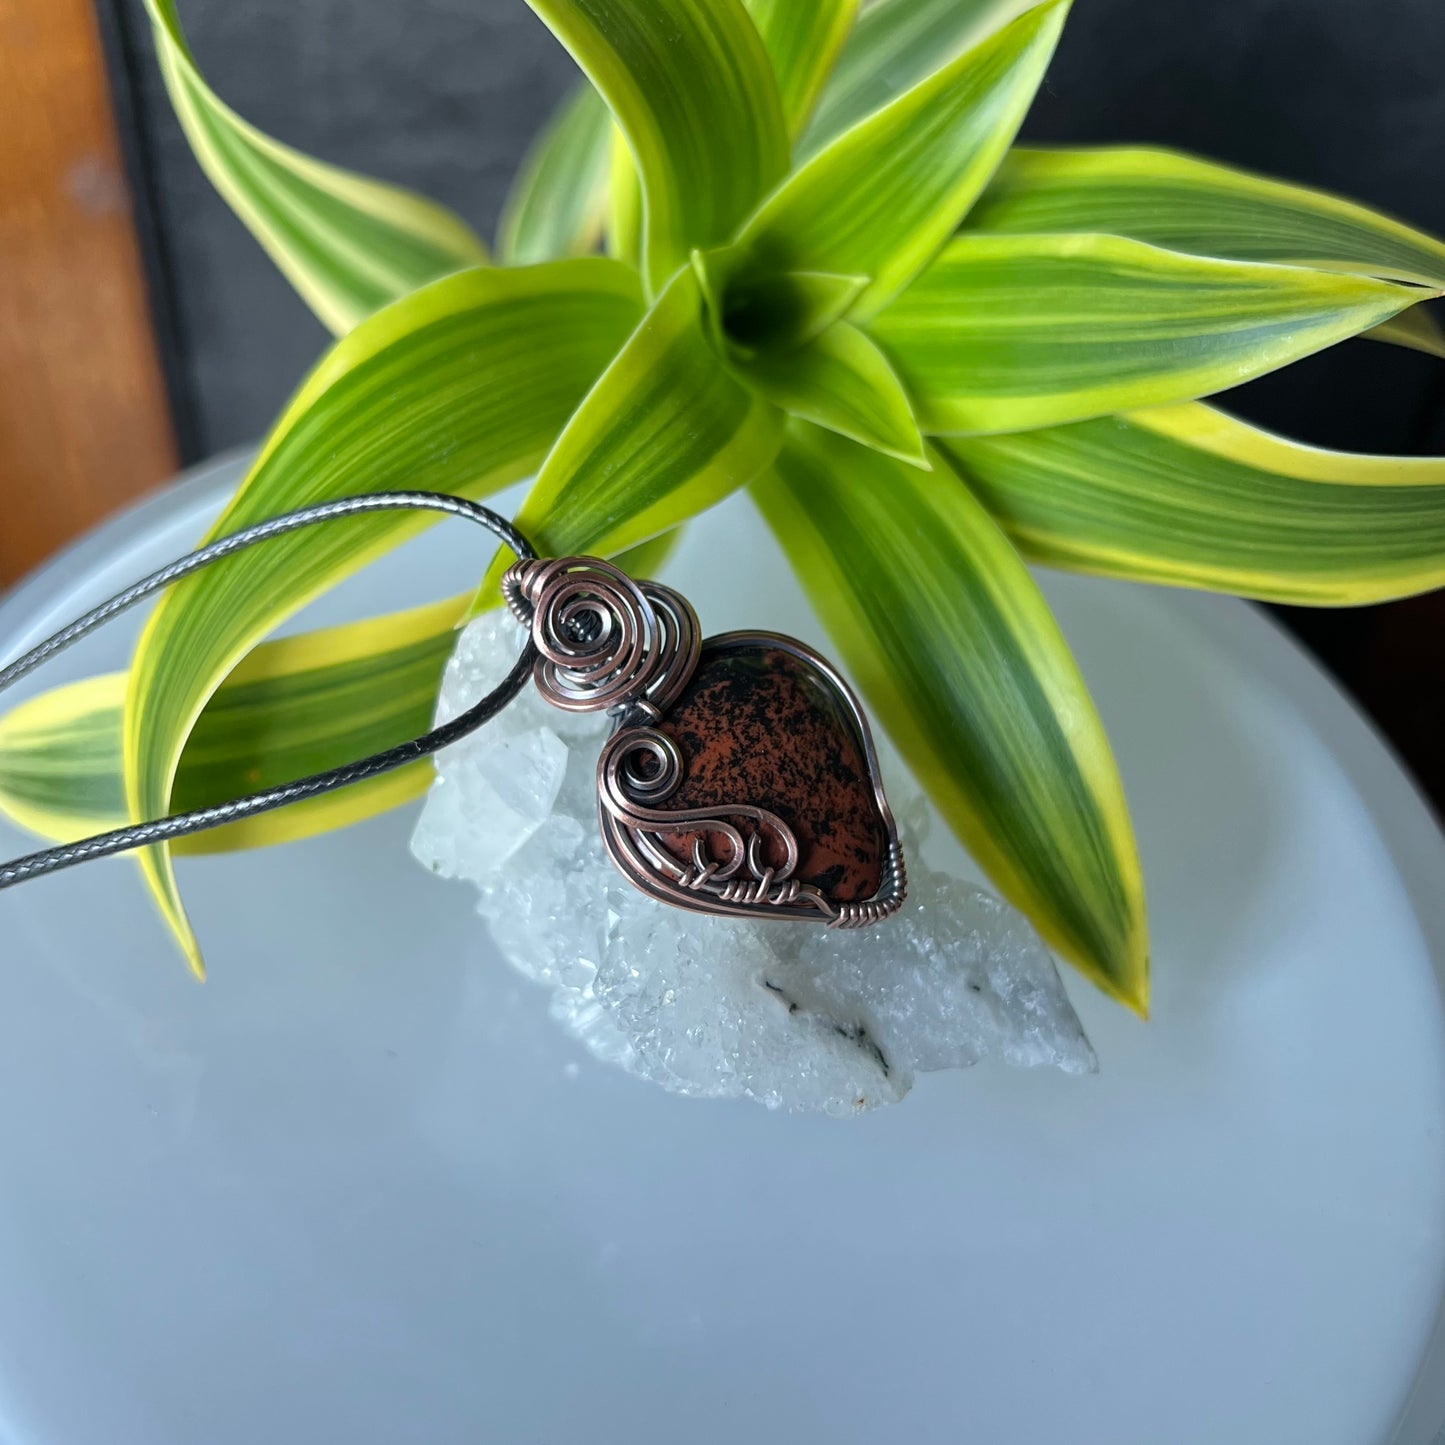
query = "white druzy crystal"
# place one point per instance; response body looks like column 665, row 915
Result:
column 795, row 1017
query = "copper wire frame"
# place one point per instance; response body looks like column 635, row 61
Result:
column 711, row 887
column 605, row 642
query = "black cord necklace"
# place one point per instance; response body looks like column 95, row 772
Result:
column 740, row 777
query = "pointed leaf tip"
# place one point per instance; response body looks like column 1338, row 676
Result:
column 348, row 244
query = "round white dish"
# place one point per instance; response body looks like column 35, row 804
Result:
column 359, row 1187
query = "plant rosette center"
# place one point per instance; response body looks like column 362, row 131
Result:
column 755, row 309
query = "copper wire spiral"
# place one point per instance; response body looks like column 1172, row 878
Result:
column 603, row 641
column 606, row 643
column 641, row 767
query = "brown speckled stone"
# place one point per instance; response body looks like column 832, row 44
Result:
column 758, row 725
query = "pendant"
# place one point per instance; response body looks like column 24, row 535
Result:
column 740, row 777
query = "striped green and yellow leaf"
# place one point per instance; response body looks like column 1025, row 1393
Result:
column 1415, row 329
column 293, row 707
column 802, row 41
column 666, row 432
column 1188, row 204
column 692, row 90
column 840, row 380
column 952, row 645
column 348, row 244
column 557, row 206
column 624, row 202
column 1192, row 497
column 459, row 387
column 647, row 559
column 884, row 196
column 895, row 45
column 559, row 203
column 1004, row 333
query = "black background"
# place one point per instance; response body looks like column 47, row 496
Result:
column 443, row 95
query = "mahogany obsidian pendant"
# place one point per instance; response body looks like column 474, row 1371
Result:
column 740, row 777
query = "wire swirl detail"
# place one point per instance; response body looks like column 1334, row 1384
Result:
column 642, row 766
column 604, row 642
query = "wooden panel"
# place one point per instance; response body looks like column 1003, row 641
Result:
column 84, row 422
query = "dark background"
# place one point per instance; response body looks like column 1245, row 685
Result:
column 443, row 95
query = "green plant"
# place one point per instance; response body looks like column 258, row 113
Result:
column 828, row 279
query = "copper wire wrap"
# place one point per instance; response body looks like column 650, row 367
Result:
column 604, row 642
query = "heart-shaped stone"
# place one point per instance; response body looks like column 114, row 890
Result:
column 741, row 777
column 776, row 808
column 758, row 723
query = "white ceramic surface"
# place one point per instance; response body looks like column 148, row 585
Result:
column 357, row 1187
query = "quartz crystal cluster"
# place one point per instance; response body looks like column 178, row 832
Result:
column 792, row 1015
